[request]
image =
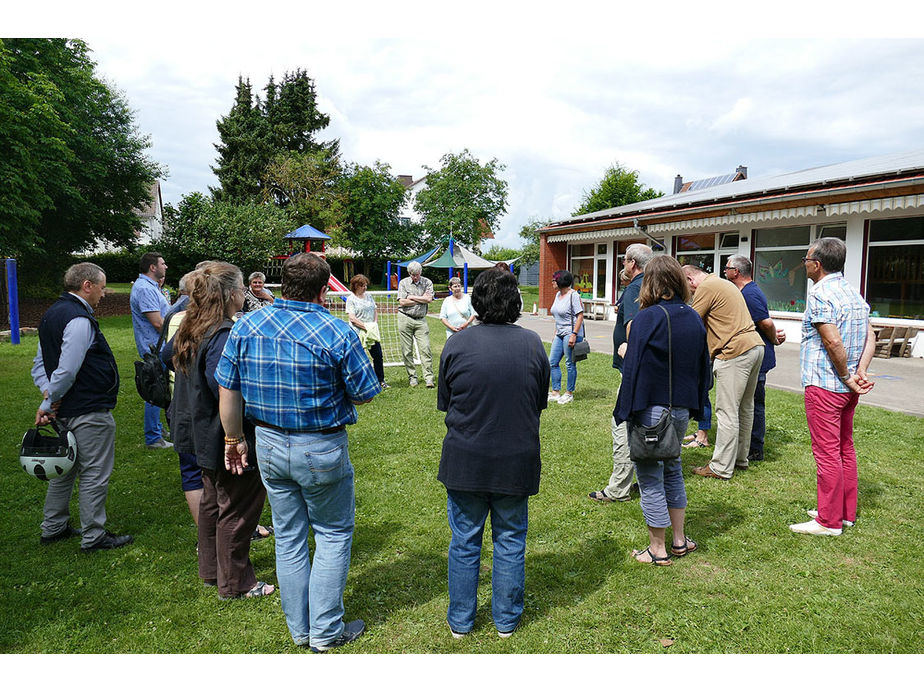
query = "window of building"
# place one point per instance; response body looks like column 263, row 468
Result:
column 778, row 267
column 708, row 251
column 895, row 273
column 582, row 268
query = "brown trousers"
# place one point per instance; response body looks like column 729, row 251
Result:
column 228, row 514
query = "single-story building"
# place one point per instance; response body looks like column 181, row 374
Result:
column 875, row 205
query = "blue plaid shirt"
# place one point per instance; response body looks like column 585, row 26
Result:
column 297, row 367
column 832, row 300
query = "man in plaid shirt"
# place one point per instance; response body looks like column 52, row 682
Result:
column 299, row 372
column 837, row 347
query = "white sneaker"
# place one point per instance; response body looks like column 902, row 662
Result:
column 553, row 397
column 814, row 513
column 812, row 527
column 565, row 398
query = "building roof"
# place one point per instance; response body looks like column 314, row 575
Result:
column 846, row 174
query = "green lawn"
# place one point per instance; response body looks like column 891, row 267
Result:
column 752, row 587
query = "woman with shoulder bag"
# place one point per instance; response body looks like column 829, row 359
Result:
column 666, row 369
column 568, row 311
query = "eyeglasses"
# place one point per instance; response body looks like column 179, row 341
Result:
column 807, row 259
column 727, row 269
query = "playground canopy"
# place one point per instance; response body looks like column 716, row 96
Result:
column 458, row 255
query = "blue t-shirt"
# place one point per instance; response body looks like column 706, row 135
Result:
column 625, row 313
column 146, row 297
column 757, row 307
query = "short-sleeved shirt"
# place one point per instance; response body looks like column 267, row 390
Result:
column 565, row 310
column 406, row 288
column 146, row 297
column 625, row 313
column 456, row 312
column 835, row 302
column 730, row 331
column 757, row 307
column 363, row 309
column 297, row 367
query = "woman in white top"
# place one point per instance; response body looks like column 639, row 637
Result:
column 568, row 310
column 361, row 309
column 457, row 312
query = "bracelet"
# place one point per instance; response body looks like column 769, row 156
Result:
column 233, row 440
column 845, row 378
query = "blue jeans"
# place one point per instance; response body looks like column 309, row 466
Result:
column 153, row 430
column 309, row 483
column 509, row 518
column 760, row 415
column 660, row 483
column 560, row 347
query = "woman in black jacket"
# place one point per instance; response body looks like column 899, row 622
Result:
column 231, row 503
column 647, row 389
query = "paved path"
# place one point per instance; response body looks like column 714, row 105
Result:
column 899, row 382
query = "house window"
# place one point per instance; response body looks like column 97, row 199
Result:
column 895, row 273
column 698, row 250
column 778, row 267
column 582, row 267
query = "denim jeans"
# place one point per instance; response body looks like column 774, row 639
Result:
column 153, row 430
column 509, row 518
column 758, row 430
column 559, row 347
column 660, row 483
column 309, row 483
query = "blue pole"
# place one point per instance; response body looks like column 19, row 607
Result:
column 465, row 277
column 451, row 252
column 12, row 297
column 388, row 278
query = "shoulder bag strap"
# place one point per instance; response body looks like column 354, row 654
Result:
column 670, row 360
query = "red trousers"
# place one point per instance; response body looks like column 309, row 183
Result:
column 830, row 423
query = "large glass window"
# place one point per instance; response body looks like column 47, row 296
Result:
column 778, row 268
column 582, row 267
column 895, row 276
column 708, row 251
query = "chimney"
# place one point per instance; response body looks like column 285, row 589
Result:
column 406, row 181
column 742, row 172
column 678, row 183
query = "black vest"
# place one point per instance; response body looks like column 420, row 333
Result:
column 97, row 384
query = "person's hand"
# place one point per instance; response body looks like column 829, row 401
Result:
column 572, row 340
column 43, row 417
column 859, row 384
column 780, row 337
column 236, row 457
column 622, row 349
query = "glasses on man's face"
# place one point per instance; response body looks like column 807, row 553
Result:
column 808, row 259
column 729, row 269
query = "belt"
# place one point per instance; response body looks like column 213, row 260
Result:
column 323, row 431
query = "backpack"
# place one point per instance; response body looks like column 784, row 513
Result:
column 151, row 377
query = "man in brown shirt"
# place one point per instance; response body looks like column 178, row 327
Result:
column 737, row 351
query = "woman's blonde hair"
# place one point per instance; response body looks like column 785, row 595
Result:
column 663, row 280
column 209, row 293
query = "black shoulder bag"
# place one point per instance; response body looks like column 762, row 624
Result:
column 151, row 377
column 581, row 349
column 658, row 442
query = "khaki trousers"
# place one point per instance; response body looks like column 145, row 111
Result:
column 735, row 382
column 411, row 330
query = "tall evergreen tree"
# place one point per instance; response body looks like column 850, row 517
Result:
column 243, row 150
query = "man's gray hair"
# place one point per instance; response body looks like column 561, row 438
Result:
column 414, row 268
column 256, row 275
column 641, row 253
column 77, row 274
column 742, row 264
column 831, row 254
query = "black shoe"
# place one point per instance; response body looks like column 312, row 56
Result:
column 65, row 533
column 351, row 631
column 109, row 541
column 754, row 456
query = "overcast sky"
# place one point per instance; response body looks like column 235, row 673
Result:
column 556, row 94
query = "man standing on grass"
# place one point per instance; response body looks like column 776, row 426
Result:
column 738, row 270
column 737, row 352
column 300, row 372
column 837, row 346
column 637, row 256
column 415, row 293
column 77, row 374
column 148, row 309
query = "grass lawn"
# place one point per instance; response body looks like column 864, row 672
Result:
column 753, row 586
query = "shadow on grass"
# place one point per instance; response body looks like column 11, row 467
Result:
column 709, row 520
column 594, row 393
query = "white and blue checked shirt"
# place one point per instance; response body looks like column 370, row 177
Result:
column 297, row 367
column 834, row 301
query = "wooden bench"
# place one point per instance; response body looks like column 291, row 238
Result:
column 595, row 308
column 894, row 341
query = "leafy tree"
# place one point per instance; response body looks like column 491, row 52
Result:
column 618, row 187
column 463, row 198
column 243, row 152
column 372, row 201
column 307, row 186
column 500, row 253
column 72, row 161
column 529, row 253
column 201, row 228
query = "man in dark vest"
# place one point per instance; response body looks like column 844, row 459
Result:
column 77, row 374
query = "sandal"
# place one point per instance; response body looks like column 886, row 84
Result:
column 688, row 546
column 696, row 444
column 258, row 535
column 599, row 496
column 258, row 590
column 655, row 560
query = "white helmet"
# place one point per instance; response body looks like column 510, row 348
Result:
column 48, row 457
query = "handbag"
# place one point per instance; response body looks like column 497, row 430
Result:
column 660, row 441
column 580, row 350
column 151, row 378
